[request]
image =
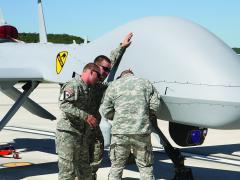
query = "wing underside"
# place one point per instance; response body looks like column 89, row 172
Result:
column 20, row 74
column 202, row 113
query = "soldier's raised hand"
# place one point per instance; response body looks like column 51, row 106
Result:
column 127, row 40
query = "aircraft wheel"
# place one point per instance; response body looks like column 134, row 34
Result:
column 16, row 155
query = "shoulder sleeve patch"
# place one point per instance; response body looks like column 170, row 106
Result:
column 68, row 93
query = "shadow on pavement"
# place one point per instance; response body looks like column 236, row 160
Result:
column 29, row 144
column 27, row 171
column 162, row 170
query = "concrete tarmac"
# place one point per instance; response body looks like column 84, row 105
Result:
column 33, row 137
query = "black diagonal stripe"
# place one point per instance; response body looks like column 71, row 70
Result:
column 60, row 61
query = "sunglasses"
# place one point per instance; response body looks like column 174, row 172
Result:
column 106, row 69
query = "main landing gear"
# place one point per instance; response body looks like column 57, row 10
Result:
column 181, row 171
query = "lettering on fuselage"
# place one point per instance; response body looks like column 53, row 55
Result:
column 60, row 60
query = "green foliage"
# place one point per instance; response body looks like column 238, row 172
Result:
column 28, row 37
column 54, row 38
column 237, row 50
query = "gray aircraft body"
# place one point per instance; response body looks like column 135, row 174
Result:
column 195, row 72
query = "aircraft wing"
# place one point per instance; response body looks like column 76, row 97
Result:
column 216, row 114
column 20, row 74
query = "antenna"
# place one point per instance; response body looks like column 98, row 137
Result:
column 86, row 40
column 42, row 27
column 2, row 21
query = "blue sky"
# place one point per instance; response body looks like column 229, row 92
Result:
column 93, row 18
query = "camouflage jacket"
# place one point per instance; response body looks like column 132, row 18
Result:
column 129, row 101
column 74, row 102
column 100, row 88
column 77, row 100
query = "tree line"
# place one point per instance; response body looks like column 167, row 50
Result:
column 237, row 50
column 54, row 38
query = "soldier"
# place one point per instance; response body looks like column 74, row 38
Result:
column 129, row 102
column 71, row 142
column 96, row 141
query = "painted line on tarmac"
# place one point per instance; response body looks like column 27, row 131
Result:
column 221, row 160
column 209, row 158
column 29, row 130
column 15, row 164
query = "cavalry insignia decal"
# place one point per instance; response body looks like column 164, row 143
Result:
column 60, row 61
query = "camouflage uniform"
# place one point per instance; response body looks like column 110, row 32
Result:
column 95, row 137
column 71, row 142
column 129, row 101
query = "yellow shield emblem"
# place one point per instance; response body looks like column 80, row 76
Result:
column 60, row 61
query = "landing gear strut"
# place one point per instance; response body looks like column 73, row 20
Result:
column 181, row 171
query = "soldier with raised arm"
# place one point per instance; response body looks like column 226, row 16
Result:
column 96, row 141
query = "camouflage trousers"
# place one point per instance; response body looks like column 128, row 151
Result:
column 73, row 156
column 96, row 147
column 120, row 148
